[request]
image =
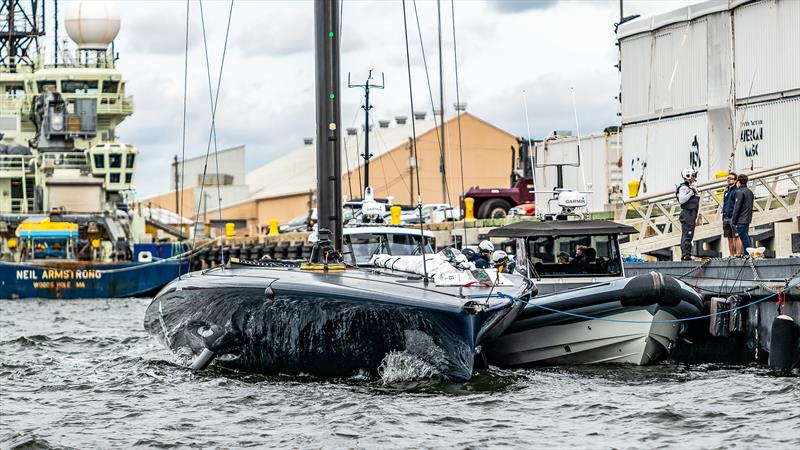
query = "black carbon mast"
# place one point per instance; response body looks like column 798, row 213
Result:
column 329, row 161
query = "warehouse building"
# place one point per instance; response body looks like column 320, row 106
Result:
column 284, row 188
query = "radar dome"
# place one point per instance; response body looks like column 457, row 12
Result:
column 92, row 24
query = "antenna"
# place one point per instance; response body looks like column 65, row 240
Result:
column 366, row 86
column 578, row 136
column 530, row 142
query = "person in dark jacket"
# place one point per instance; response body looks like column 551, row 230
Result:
column 742, row 213
column 728, row 228
column 689, row 199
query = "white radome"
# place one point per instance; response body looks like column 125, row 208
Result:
column 92, row 24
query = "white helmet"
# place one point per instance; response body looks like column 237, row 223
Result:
column 485, row 246
column 499, row 257
column 688, row 174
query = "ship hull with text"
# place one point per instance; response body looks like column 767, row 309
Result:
column 79, row 279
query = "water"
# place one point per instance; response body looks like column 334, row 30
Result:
column 84, row 374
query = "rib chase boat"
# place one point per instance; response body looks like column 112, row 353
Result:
column 324, row 317
column 587, row 311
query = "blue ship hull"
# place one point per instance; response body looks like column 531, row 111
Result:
column 80, row 279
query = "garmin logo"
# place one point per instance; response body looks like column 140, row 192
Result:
column 573, row 201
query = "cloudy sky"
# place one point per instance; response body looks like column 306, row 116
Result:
column 266, row 99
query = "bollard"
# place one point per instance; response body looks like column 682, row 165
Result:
column 273, row 227
column 718, row 176
column 230, row 229
column 12, row 243
column 783, row 343
column 633, row 191
column 395, row 218
column 469, row 208
column 95, row 243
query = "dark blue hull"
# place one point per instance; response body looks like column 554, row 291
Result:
column 279, row 321
column 79, row 279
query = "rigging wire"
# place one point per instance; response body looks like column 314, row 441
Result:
column 430, row 95
column 414, row 145
column 179, row 212
column 214, row 103
column 458, row 118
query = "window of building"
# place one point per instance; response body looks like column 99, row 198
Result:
column 79, row 86
column 42, row 83
column 130, row 158
column 110, row 87
column 99, row 161
column 128, row 178
column 114, row 178
column 114, row 160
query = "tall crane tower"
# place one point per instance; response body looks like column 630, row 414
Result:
column 21, row 25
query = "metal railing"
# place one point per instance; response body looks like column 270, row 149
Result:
column 16, row 164
column 776, row 190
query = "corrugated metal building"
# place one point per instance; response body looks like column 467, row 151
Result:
column 710, row 86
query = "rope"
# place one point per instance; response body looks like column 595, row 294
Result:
column 439, row 136
column 214, row 104
column 414, row 143
column 458, row 118
column 183, row 135
column 605, row 319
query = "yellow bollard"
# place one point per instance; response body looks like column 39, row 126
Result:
column 469, row 208
column 273, row 227
column 12, row 243
column 633, row 190
column 719, row 175
column 95, row 243
column 395, row 218
column 230, row 229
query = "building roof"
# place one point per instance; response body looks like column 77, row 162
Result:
column 691, row 12
column 295, row 172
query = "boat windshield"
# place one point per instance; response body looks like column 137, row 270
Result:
column 574, row 256
column 365, row 245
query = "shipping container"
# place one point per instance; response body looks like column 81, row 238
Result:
column 654, row 153
column 600, row 166
column 766, row 46
column 768, row 134
column 706, row 55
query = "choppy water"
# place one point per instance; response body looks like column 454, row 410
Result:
column 84, row 374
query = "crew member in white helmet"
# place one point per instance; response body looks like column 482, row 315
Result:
column 484, row 254
column 689, row 199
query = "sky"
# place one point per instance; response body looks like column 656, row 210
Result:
column 546, row 48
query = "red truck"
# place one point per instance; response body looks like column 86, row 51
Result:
column 493, row 203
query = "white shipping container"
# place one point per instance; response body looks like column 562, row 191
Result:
column 768, row 134
column 767, row 48
column 656, row 152
column 600, row 160
column 649, row 62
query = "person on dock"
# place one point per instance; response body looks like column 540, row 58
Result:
column 742, row 213
column 689, row 199
column 728, row 228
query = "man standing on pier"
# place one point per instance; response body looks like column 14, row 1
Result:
column 689, row 199
column 742, row 213
column 728, row 228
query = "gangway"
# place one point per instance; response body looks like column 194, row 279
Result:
column 656, row 216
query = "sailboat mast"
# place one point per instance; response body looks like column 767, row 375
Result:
column 329, row 161
column 441, row 104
